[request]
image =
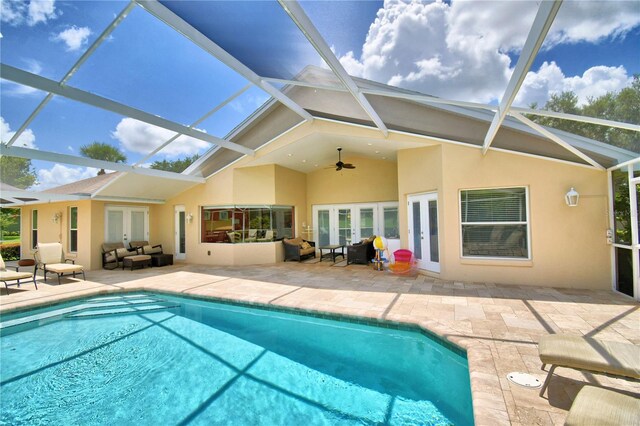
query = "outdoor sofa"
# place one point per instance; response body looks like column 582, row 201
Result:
column 298, row 249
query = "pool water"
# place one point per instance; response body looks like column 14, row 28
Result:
column 196, row 362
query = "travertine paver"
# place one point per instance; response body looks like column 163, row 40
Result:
column 498, row 325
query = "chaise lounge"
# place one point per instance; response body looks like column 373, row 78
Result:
column 50, row 258
column 602, row 407
column 584, row 353
column 16, row 275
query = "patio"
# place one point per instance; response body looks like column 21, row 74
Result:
column 498, row 325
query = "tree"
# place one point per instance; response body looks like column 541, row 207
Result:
column 177, row 166
column 622, row 106
column 17, row 172
column 102, row 151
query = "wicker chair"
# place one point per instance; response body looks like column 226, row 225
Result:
column 361, row 252
column 293, row 249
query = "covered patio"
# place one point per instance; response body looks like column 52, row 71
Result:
column 498, row 325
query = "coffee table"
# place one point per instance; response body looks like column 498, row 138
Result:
column 332, row 251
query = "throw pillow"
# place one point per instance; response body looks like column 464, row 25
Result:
column 305, row 245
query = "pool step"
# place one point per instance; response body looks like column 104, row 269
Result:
column 97, row 306
column 123, row 310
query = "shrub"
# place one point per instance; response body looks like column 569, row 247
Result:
column 10, row 251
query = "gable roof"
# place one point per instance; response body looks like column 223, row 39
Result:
column 89, row 186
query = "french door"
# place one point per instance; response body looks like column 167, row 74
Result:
column 423, row 230
column 180, row 233
column 344, row 223
column 124, row 224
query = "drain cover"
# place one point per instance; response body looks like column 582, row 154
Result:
column 524, row 379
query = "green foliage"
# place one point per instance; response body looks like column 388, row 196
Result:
column 103, row 151
column 10, row 252
column 622, row 106
column 176, row 166
column 17, row 172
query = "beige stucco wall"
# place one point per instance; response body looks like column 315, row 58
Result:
column 568, row 246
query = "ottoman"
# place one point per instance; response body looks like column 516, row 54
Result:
column 161, row 259
column 137, row 261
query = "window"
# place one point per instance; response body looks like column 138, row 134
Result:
column 34, row 228
column 73, row 229
column 246, row 224
column 495, row 223
column 391, row 226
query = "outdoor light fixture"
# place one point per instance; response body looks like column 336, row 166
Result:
column 189, row 218
column 56, row 217
column 572, row 197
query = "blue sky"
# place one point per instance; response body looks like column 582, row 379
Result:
column 448, row 49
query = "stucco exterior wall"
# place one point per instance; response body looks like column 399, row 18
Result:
column 567, row 246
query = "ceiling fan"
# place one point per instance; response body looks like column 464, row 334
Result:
column 340, row 165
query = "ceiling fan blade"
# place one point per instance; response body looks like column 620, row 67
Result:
column 348, row 166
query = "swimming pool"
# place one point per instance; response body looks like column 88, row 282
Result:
column 157, row 359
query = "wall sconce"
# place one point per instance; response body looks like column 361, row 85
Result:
column 56, row 217
column 189, row 217
column 572, row 197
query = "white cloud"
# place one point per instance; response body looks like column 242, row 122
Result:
column 20, row 12
column 539, row 85
column 27, row 139
column 136, row 136
column 461, row 50
column 74, row 37
column 61, row 175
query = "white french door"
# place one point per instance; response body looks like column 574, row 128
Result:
column 180, row 233
column 423, row 230
column 124, row 224
column 344, row 223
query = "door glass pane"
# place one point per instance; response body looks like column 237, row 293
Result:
column 621, row 206
column 181, row 233
column 323, row 228
column 115, row 229
column 624, row 271
column 416, row 230
column 433, row 231
column 137, row 226
column 391, row 226
column 366, row 223
column 344, row 226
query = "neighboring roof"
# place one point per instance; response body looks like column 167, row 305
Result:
column 89, row 186
column 450, row 122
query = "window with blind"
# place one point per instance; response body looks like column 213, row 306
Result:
column 495, row 223
column 73, row 229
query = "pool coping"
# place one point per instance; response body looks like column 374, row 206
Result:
column 489, row 405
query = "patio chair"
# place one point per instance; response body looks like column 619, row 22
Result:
column 584, row 353
column 268, row 236
column 6, row 276
column 602, row 407
column 50, row 258
column 298, row 249
column 361, row 252
column 114, row 253
column 252, row 236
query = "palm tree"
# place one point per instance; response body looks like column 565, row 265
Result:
column 103, row 151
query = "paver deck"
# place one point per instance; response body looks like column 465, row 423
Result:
column 498, row 325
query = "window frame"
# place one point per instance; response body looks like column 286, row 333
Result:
column 34, row 230
column 73, row 229
column 527, row 223
column 212, row 212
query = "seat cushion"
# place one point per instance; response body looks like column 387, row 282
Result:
column 601, row 407
column 138, row 258
column 148, row 249
column 304, row 252
column 64, row 268
column 583, row 353
column 12, row 275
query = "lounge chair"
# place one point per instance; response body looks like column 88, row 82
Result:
column 6, row 276
column 584, row 353
column 601, row 407
column 268, row 236
column 50, row 258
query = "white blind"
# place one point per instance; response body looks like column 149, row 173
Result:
column 494, row 205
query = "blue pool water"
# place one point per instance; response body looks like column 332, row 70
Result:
column 165, row 360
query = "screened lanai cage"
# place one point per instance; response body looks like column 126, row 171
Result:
column 165, row 80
